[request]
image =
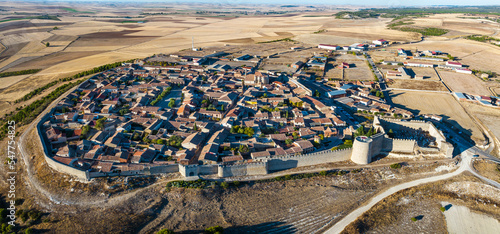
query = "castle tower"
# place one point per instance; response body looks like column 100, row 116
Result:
column 361, row 150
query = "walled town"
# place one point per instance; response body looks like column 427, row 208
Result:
column 202, row 114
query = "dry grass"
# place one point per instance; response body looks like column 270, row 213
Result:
column 488, row 169
column 487, row 115
column 440, row 104
column 466, row 83
column 479, row 56
column 416, row 84
column 8, row 81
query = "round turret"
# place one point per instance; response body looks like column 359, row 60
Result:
column 361, row 150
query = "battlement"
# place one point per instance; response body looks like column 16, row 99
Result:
column 404, row 140
column 249, row 164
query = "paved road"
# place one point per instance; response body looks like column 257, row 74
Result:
column 465, row 165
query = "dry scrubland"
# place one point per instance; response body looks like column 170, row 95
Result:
column 488, row 169
column 440, row 104
column 465, row 83
column 395, row 213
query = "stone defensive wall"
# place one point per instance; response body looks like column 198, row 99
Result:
column 365, row 148
column 268, row 164
column 399, row 145
column 292, row 161
column 60, row 167
column 259, row 168
column 414, row 125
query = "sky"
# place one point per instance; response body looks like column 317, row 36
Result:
column 386, row 3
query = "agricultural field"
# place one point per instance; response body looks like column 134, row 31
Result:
column 487, row 115
column 466, row 83
column 429, row 74
column 442, row 104
column 416, row 84
column 456, row 26
column 477, row 55
column 359, row 69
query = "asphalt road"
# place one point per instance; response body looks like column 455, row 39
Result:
column 465, row 165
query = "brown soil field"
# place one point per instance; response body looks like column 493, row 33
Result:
column 386, row 54
column 12, row 50
column 8, row 81
column 56, row 37
column 441, row 104
column 22, row 31
column 416, row 84
column 466, row 83
column 428, row 73
column 52, row 59
column 361, row 71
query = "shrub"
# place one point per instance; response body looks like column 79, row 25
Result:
column 414, row 219
column 34, row 214
column 224, row 185
column 442, row 209
column 165, row 231
column 323, row 173
column 395, row 166
column 214, row 230
column 236, row 183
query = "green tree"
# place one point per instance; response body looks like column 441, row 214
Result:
column 47, row 44
column 249, row 131
column 195, row 128
column 215, row 230
column 244, row 149
column 100, row 123
column 316, row 93
column 321, row 136
column 288, row 141
column 123, row 111
column 85, row 130
column 171, row 104
column 265, row 95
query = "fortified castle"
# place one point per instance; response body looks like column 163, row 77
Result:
column 419, row 138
